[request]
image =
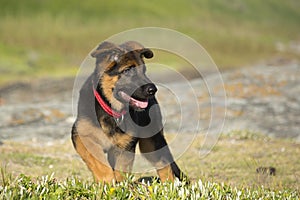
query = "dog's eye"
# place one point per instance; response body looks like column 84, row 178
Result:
column 128, row 70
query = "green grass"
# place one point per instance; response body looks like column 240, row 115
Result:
column 47, row 187
column 51, row 37
column 52, row 171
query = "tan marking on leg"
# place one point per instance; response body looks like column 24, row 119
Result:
column 90, row 143
column 163, row 169
column 165, row 173
column 100, row 170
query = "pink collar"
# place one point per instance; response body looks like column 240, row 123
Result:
column 106, row 108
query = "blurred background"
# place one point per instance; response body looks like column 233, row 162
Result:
column 50, row 38
column 255, row 44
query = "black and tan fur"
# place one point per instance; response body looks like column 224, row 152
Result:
column 95, row 133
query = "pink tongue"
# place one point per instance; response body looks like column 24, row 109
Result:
column 132, row 101
column 139, row 104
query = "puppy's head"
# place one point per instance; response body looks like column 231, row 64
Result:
column 120, row 73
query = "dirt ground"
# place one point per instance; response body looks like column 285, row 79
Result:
column 37, row 116
column 262, row 98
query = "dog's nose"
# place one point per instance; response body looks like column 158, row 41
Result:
column 150, row 89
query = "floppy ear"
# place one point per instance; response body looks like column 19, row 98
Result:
column 147, row 53
column 135, row 46
column 107, row 55
column 104, row 47
column 132, row 45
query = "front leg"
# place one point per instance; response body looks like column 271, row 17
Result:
column 121, row 161
column 156, row 150
column 96, row 163
column 87, row 139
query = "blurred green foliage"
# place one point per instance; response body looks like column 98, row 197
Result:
column 52, row 37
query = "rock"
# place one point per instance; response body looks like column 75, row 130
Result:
column 266, row 170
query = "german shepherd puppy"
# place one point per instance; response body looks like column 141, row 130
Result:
column 117, row 110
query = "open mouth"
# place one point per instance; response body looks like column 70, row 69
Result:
column 132, row 101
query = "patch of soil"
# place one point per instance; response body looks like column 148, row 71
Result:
column 262, row 98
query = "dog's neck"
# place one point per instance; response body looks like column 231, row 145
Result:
column 105, row 106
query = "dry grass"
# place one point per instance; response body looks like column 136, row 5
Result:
column 233, row 160
column 51, row 39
